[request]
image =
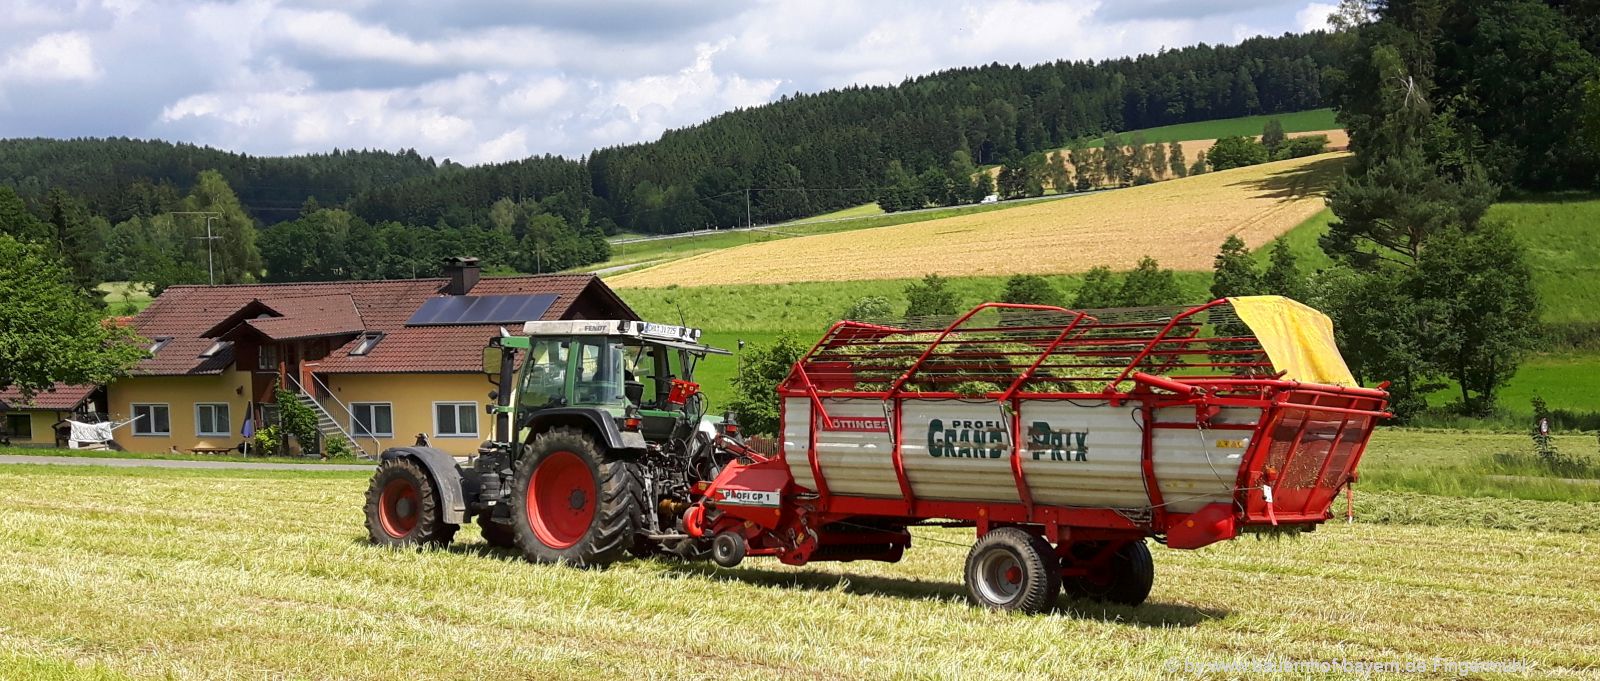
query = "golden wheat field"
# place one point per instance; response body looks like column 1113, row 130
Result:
column 1179, row 222
column 1338, row 140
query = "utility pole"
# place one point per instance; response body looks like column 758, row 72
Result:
column 211, row 267
column 747, row 222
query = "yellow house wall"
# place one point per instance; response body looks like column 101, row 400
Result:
column 412, row 398
column 43, row 423
column 180, row 394
column 44, row 427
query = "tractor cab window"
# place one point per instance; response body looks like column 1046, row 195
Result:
column 599, row 379
column 544, row 374
column 651, row 370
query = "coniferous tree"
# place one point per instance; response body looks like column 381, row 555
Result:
column 1175, row 160
column 1233, row 272
column 1030, row 289
column 1272, row 136
column 1098, row 290
column 1283, row 276
column 1147, row 285
column 930, row 297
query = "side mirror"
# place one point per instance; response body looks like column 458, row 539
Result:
column 492, row 357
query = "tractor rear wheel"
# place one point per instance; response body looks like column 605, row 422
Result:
column 403, row 507
column 497, row 534
column 571, row 503
column 1125, row 578
column 1011, row 569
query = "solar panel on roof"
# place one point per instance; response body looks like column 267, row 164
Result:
column 461, row 310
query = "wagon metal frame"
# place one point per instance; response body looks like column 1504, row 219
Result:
column 1301, row 453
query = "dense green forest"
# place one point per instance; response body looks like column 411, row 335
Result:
column 802, row 155
column 1450, row 104
column 110, row 206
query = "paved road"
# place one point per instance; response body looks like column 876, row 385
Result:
column 163, row 463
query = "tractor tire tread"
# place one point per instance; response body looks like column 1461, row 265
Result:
column 619, row 486
column 431, row 529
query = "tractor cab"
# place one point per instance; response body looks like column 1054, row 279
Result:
column 640, row 374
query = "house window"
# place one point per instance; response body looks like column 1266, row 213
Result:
column 152, row 419
column 216, row 347
column 211, row 419
column 19, row 426
column 267, row 358
column 368, row 341
column 158, row 343
column 371, row 419
column 455, row 419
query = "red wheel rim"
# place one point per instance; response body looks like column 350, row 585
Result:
column 397, row 507
column 1013, row 575
column 561, row 496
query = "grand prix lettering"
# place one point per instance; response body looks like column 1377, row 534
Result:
column 1057, row 445
column 975, row 439
column 963, row 439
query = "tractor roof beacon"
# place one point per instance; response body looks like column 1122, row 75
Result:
column 1065, row 438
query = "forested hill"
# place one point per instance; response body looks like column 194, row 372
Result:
column 848, row 138
column 801, row 155
column 811, row 153
column 121, row 178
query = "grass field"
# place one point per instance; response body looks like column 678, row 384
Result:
column 1302, row 121
column 177, row 574
column 1180, row 222
column 863, row 210
column 124, row 297
column 109, row 454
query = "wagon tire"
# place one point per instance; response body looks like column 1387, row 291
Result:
column 1011, row 569
column 497, row 534
column 1127, row 581
column 403, row 509
column 573, row 504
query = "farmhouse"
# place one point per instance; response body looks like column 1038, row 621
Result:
column 32, row 421
column 380, row 362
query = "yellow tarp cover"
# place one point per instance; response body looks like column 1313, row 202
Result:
column 1298, row 339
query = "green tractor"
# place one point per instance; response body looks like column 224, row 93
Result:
column 599, row 435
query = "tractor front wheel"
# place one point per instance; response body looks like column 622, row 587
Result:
column 1011, row 569
column 403, row 507
column 573, row 504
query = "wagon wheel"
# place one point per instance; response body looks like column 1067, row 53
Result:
column 403, row 507
column 572, row 504
column 1123, row 577
column 1010, row 569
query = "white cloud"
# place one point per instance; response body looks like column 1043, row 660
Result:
column 491, row 80
column 1314, row 16
column 52, row 57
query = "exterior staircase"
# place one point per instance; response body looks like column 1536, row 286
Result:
column 328, row 425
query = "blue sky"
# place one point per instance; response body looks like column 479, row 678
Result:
column 493, row 80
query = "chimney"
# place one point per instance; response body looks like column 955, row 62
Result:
column 463, row 273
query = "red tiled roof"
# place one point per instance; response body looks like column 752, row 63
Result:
column 61, row 397
column 307, row 317
column 186, row 313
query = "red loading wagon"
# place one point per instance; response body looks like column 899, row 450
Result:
column 1066, row 438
